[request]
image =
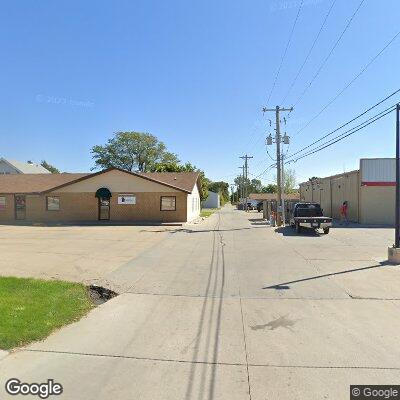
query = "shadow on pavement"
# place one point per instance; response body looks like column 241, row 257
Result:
column 285, row 285
column 289, row 231
column 258, row 221
column 355, row 225
column 185, row 230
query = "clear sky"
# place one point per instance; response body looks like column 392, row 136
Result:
column 195, row 74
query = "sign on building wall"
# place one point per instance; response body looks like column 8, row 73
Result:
column 126, row 199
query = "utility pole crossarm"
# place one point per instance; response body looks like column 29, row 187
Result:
column 280, row 109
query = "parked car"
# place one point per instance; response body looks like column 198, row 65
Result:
column 309, row 215
column 252, row 205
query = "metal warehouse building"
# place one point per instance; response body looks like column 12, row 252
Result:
column 369, row 191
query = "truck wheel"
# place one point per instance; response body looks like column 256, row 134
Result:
column 298, row 228
column 326, row 231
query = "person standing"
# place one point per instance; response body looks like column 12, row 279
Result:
column 344, row 212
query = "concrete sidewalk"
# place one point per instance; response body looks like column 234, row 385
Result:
column 233, row 309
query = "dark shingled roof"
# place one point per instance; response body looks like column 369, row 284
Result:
column 38, row 183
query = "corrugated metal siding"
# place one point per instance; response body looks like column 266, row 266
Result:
column 378, row 170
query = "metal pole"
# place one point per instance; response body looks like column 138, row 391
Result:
column 397, row 211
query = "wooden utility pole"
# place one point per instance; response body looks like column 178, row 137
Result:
column 278, row 141
column 241, row 187
column 245, row 173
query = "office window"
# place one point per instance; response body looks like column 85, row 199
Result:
column 53, row 203
column 168, row 203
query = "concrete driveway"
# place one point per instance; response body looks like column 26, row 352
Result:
column 74, row 253
column 233, row 309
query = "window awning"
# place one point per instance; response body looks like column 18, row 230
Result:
column 103, row 193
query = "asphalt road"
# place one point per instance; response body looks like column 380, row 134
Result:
column 233, row 309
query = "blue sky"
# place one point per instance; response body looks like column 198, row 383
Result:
column 194, row 73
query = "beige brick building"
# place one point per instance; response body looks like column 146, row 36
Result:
column 109, row 195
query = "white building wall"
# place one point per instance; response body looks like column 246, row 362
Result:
column 212, row 201
column 193, row 204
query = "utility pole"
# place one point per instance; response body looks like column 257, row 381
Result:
column 283, row 191
column 241, row 187
column 278, row 141
column 246, row 169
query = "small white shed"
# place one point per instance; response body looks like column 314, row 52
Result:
column 212, row 201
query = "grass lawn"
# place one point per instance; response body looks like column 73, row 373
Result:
column 30, row 309
column 206, row 212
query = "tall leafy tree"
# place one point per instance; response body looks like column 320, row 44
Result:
column 174, row 167
column 50, row 167
column 270, row 188
column 289, row 180
column 132, row 151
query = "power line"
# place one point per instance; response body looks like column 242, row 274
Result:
column 347, row 123
column 343, row 136
column 309, row 52
column 265, row 170
column 284, row 53
column 350, row 83
column 329, row 54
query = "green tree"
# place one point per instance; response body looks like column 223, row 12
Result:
column 132, row 151
column 255, row 186
column 289, row 180
column 204, row 182
column 270, row 188
column 173, row 167
column 50, row 167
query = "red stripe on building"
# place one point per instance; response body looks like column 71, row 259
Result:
column 378, row 183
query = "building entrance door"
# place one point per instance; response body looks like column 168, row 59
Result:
column 20, row 206
column 104, row 209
